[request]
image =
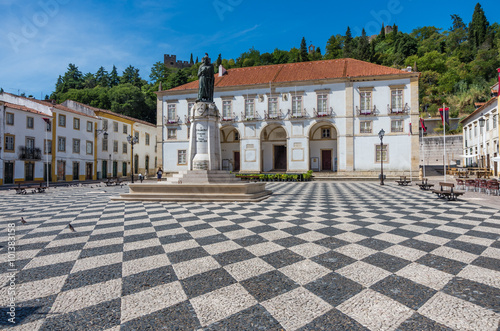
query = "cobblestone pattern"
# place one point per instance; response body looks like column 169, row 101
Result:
column 314, row 256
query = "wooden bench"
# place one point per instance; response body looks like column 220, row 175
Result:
column 446, row 191
column 424, row 185
column 34, row 186
column 113, row 181
column 403, row 181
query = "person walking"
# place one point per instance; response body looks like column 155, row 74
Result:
column 159, row 173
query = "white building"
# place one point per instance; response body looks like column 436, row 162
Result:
column 321, row 115
column 481, row 137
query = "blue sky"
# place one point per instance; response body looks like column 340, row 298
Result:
column 40, row 38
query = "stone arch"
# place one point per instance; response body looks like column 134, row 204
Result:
column 230, row 148
column 274, row 148
column 323, row 146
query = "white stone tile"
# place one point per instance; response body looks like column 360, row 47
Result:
column 347, row 226
column 389, row 237
column 481, row 275
column 459, row 314
column 425, row 275
column 432, row 239
column 46, row 260
column 296, row 308
column 305, row 271
column 355, row 251
column 452, row 229
column 283, row 225
column 219, row 224
column 204, row 233
column 108, row 230
column 144, row 264
column 475, row 240
column 141, row 244
column 134, row 232
column 350, row 237
column 190, row 223
column 34, row 240
column 171, row 232
column 492, row 252
column 221, row 247
column 181, row 245
column 102, row 243
column 416, row 228
column 363, row 273
column 311, row 236
column 380, row 227
column 23, row 255
column 87, row 296
column 32, row 290
column 97, row 261
column 69, row 241
column 251, row 224
column 486, row 229
column 404, row 252
column 221, row 303
column 197, row 266
column 248, row 268
column 375, row 311
column 264, row 248
column 309, row 250
column 454, row 254
column 313, row 226
column 275, row 235
column 239, row 234
column 151, row 300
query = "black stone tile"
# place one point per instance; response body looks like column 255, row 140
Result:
column 329, row 222
column 104, row 236
column 367, row 232
column 496, row 244
column 385, row 261
column 331, row 243
column 211, row 239
column 251, row 240
column 443, row 234
column 34, row 274
column 99, row 317
column 376, row 244
column 233, row 256
column 333, row 260
column 441, row 263
column 429, row 225
column 100, row 226
column 93, row 276
column 481, row 234
column 167, row 226
column 33, row 246
column 421, row 323
column 295, row 230
column 102, row 250
column 139, row 237
column 147, row 279
column 268, row 285
column 474, row 292
column 282, row 258
column 229, row 228
column 289, row 241
column 197, row 227
column 487, row 262
column 491, row 225
column 334, row 320
column 139, row 226
column 334, row 288
column 128, row 217
column 143, row 252
column 70, row 235
column 393, row 224
column 330, row 231
column 206, row 282
column 420, row 245
column 187, row 254
column 467, row 247
column 27, row 311
column 262, row 229
column 255, row 318
column 403, row 290
column 174, row 238
column 404, row 233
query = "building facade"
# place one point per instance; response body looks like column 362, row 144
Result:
column 320, row 116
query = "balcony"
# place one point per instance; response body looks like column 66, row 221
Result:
column 297, row 114
column 228, row 118
column 327, row 113
column 253, row 117
column 398, row 111
column 171, row 121
column 27, row 154
column 274, row 115
column 187, row 120
column 366, row 112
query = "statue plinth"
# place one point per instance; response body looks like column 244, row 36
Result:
column 204, row 140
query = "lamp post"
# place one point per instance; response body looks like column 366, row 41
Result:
column 381, row 136
column 481, row 125
column 132, row 141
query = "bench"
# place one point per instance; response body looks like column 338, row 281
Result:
column 34, row 186
column 446, row 191
column 403, row 181
column 113, row 181
column 424, row 185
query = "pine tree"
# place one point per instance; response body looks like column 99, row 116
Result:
column 303, row 50
column 348, row 50
column 382, row 32
column 478, row 27
column 364, row 47
column 102, row 77
column 191, row 59
column 333, row 48
column 113, row 77
column 197, row 60
column 219, row 61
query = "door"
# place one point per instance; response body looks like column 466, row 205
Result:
column 124, row 169
column 76, row 170
column 88, row 170
column 61, row 170
column 104, row 169
column 326, row 159
column 115, row 169
column 280, row 157
column 236, row 166
column 9, row 173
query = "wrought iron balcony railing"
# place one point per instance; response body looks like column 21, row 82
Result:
column 398, row 110
column 327, row 113
column 26, row 153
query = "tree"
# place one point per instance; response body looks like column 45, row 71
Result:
column 131, row 75
column 89, row 80
column 113, row 77
column 102, row 77
column 348, row 50
column 1, row 90
column 197, row 60
column 333, row 48
column 478, row 27
column 218, row 62
column 191, row 62
column 303, row 50
column 406, row 46
column 364, row 47
column 382, row 32
column 159, row 73
column 279, row 56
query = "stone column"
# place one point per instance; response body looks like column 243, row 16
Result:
column 204, row 144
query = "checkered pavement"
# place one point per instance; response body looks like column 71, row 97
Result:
column 313, row 256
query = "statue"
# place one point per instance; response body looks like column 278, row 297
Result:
column 206, row 80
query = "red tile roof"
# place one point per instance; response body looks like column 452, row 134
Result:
column 302, row 71
column 24, row 108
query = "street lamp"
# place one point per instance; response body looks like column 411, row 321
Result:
column 481, row 124
column 132, row 141
column 381, row 136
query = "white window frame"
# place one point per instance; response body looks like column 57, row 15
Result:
column 76, row 147
column 395, row 127
column 89, row 147
column 249, row 108
column 172, row 113
column 272, row 106
column 227, row 107
column 171, row 134
column 9, row 118
column 181, row 157
column 365, row 102
column 61, row 144
column 385, row 153
column 296, row 106
column 363, row 128
column 322, row 103
column 397, row 101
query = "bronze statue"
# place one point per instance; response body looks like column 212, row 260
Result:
column 206, row 80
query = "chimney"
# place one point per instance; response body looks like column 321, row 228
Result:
column 222, row 71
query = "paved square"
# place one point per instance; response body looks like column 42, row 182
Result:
column 316, row 255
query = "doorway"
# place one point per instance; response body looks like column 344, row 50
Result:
column 115, row 169
column 279, row 157
column 104, row 169
column 326, row 159
column 9, row 173
column 61, row 170
column 236, row 166
column 88, row 170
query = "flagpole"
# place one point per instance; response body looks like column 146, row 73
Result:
column 411, row 134
column 444, row 139
column 423, row 150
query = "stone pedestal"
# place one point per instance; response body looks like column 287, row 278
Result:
column 204, row 144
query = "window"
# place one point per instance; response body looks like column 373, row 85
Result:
column 236, row 136
column 272, row 104
column 115, row 146
column 171, row 113
column 297, row 106
column 397, row 100
column 125, row 129
column 470, row 133
column 89, row 126
column 249, row 108
column 181, row 157
column 172, row 134
column 29, row 122
column 30, row 144
column 76, row 146
column 365, row 127
column 104, row 144
column 115, row 126
column 325, row 133
column 495, row 121
column 105, row 125
column 76, row 170
column 136, row 134
column 47, row 146
column 190, row 106
column 226, row 110
column 397, row 126
column 322, row 103
column 61, row 144
column 147, row 139
column 365, row 102
column 48, row 126
column 90, row 148
column 10, row 118
column 488, row 124
column 124, row 148
column 9, row 143
column 475, row 130
column 62, row 120
column 381, row 151
column 76, row 123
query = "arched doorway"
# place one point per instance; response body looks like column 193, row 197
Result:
column 230, row 148
column 136, row 164
column 146, row 166
column 274, row 148
column 323, row 147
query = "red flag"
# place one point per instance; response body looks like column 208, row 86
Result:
column 47, row 120
column 422, row 125
column 446, row 115
column 410, row 132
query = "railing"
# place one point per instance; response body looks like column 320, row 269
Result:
column 187, row 120
column 301, row 114
column 171, row 121
column 398, row 111
column 366, row 112
column 323, row 113
column 228, row 118
column 274, row 116
column 26, row 153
